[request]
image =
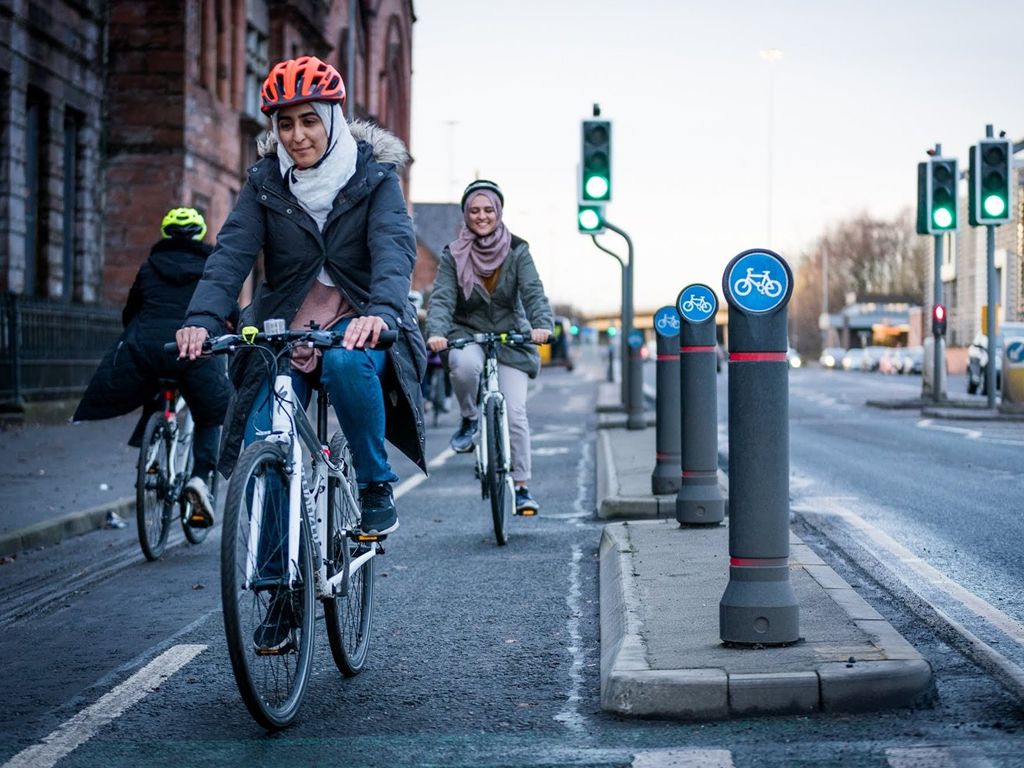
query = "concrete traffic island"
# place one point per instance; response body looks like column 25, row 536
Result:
column 661, row 656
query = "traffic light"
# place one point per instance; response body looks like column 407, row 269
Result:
column 991, row 174
column 596, row 162
column 938, row 320
column 590, row 219
column 937, row 183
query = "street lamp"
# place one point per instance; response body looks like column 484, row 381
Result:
column 771, row 55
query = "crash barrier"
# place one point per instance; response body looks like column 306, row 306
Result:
column 699, row 499
column 665, row 477
column 759, row 606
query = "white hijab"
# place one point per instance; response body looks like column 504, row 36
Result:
column 316, row 187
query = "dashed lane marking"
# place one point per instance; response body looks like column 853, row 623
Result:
column 83, row 726
column 683, row 758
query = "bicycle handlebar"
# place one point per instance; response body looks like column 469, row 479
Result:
column 511, row 339
column 230, row 342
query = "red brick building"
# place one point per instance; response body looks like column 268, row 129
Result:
column 178, row 113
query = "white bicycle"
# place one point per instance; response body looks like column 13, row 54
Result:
column 292, row 536
column 762, row 281
column 493, row 450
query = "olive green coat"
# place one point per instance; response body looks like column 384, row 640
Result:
column 518, row 304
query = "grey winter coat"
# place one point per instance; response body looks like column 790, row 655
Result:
column 368, row 248
column 517, row 304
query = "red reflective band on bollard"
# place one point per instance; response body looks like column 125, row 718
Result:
column 700, row 473
column 666, row 357
column 696, row 349
column 665, row 456
column 758, row 562
column 757, row 357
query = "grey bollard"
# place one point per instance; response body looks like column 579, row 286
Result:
column 635, row 405
column 611, row 361
column 665, row 477
column 759, row 606
column 699, row 500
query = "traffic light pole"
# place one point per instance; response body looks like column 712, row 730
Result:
column 635, row 401
column 990, row 320
column 623, row 348
column 939, row 347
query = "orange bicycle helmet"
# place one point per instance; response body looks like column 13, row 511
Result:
column 297, row 81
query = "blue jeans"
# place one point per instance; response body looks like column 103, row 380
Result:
column 352, row 379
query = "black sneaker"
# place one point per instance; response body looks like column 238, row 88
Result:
column 525, row 504
column 274, row 634
column 462, row 440
column 379, row 516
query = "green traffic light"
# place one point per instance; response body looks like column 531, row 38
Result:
column 612, row 330
column 589, row 219
column 942, row 217
column 596, row 187
column 995, row 205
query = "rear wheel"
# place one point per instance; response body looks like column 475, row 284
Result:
column 153, row 503
column 502, row 499
column 257, row 599
column 349, row 614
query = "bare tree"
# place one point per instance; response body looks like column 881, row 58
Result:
column 866, row 257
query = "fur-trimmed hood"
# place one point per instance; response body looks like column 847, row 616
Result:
column 387, row 148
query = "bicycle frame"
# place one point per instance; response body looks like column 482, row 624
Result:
column 488, row 391
column 291, row 428
column 174, row 403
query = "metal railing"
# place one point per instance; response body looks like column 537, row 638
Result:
column 50, row 349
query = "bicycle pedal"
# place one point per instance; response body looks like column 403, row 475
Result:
column 526, row 512
column 368, row 537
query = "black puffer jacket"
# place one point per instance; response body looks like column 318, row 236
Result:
column 128, row 375
column 368, row 248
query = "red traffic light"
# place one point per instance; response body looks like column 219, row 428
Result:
column 939, row 320
column 939, row 313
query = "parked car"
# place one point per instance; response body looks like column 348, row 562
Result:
column 911, row 360
column 851, row 359
column 831, row 357
column 977, row 363
column 872, row 355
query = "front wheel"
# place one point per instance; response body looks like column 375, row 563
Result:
column 349, row 613
column 502, row 499
column 267, row 620
column 153, row 503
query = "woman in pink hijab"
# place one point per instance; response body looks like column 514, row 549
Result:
column 487, row 283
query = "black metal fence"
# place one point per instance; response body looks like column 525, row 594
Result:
column 49, row 349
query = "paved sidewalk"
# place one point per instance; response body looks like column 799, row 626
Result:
column 661, row 584
column 59, row 479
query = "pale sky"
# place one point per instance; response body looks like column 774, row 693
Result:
column 862, row 90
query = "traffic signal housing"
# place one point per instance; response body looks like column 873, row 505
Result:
column 596, row 162
column 937, row 199
column 991, row 175
column 590, row 219
column 939, row 318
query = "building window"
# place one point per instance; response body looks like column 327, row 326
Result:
column 257, row 58
column 35, row 152
column 72, row 185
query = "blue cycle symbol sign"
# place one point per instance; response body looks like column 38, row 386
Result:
column 666, row 321
column 697, row 303
column 1015, row 352
column 636, row 339
column 757, row 282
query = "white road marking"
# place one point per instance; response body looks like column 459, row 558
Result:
column 928, row 757
column 570, row 715
column 683, row 758
column 83, row 726
column 556, row 451
column 970, row 434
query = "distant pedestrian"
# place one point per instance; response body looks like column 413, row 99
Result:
column 129, row 374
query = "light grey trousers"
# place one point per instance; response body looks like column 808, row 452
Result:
column 465, row 365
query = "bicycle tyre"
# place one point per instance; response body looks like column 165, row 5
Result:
column 497, row 488
column 348, row 617
column 437, row 393
column 152, row 486
column 272, row 686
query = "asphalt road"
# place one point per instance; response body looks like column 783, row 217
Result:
column 482, row 656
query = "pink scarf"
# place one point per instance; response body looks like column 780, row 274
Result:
column 475, row 256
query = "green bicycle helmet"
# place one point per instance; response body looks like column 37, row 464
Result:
column 186, row 223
